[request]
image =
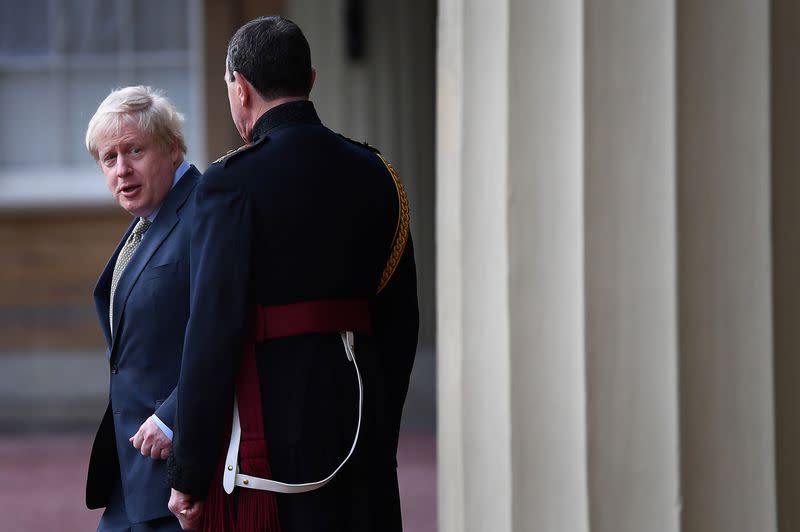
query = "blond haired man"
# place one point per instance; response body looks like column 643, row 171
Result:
column 142, row 303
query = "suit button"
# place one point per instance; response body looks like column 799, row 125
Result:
column 114, row 369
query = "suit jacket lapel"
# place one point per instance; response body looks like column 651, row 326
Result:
column 162, row 226
column 102, row 290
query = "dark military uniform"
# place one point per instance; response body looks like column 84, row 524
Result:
column 301, row 215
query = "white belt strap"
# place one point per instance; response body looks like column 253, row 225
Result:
column 231, row 476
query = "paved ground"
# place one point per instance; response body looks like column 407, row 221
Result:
column 42, row 483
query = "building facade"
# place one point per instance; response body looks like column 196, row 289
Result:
column 605, row 219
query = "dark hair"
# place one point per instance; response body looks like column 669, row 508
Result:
column 274, row 56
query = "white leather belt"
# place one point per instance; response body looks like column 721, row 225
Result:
column 231, row 476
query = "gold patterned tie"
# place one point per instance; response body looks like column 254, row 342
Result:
column 123, row 259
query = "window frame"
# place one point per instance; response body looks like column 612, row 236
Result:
column 67, row 185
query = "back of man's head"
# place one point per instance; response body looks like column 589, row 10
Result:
column 274, row 56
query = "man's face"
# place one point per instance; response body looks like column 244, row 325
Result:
column 237, row 112
column 139, row 172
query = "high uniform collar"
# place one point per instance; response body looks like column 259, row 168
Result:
column 297, row 112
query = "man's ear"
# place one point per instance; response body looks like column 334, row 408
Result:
column 175, row 153
column 243, row 89
column 313, row 78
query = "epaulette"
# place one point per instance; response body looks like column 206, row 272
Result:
column 402, row 229
column 241, row 149
column 362, row 144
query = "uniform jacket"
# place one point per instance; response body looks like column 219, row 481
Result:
column 151, row 306
column 301, row 214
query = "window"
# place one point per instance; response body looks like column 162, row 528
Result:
column 59, row 59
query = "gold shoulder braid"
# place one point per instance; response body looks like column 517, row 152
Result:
column 231, row 152
column 401, row 231
column 241, row 149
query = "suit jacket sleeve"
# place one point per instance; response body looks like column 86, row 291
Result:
column 166, row 412
column 220, row 262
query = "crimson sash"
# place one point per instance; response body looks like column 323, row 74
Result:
column 255, row 510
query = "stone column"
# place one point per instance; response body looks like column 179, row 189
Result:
column 630, row 257
column 785, row 133
column 512, row 442
column 725, row 310
column 605, row 267
column 473, row 179
column 449, row 278
column 545, row 278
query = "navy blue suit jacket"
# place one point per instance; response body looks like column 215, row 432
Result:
column 151, row 308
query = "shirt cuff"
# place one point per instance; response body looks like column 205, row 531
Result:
column 165, row 429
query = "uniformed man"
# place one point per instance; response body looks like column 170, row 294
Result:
column 302, row 234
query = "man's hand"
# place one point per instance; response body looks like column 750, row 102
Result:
column 188, row 511
column 151, row 441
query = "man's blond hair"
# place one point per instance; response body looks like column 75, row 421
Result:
column 144, row 107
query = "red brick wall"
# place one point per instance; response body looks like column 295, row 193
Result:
column 50, row 262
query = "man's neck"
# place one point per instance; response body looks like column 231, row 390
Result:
column 261, row 106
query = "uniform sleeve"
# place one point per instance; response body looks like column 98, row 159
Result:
column 396, row 323
column 220, row 261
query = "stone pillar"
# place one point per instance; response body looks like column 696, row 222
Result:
column 725, row 311
column 473, row 178
column 605, row 267
column 512, row 442
column 544, row 239
column 449, row 278
column 630, row 257
column 785, row 133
